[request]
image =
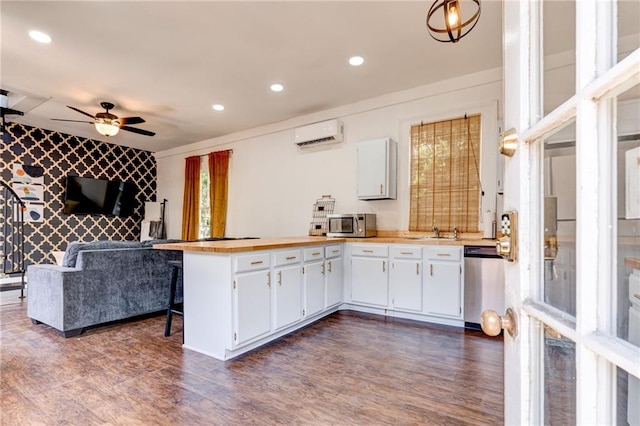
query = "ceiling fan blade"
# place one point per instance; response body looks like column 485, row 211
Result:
column 81, row 112
column 131, row 120
column 73, row 121
column 140, row 131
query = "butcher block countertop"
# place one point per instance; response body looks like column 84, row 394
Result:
column 632, row 262
column 237, row 246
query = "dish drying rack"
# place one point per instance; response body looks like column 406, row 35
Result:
column 322, row 207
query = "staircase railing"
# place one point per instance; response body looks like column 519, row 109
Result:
column 12, row 228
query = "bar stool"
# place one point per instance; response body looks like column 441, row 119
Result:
column 176, row 269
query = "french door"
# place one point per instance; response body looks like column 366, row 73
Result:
column 573, row 360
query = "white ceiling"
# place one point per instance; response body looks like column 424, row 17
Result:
column 170, row 61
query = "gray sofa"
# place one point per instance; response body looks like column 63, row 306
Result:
column 99, row 282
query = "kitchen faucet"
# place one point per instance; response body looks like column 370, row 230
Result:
column 436, row 232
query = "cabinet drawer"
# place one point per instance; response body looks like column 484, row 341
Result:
column 369, row 250
column 406, row 252
column 332, row 251
column 444, row 253
column 287, row 257
column 252, row 262
column 314, row 253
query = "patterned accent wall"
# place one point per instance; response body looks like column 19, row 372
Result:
column 61, row 155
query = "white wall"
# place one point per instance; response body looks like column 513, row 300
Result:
column 273, row 184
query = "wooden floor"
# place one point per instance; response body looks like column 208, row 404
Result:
column 347, row 369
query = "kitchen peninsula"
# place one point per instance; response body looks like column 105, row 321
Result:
column 242, row 294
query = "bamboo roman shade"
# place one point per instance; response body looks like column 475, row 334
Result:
column 445, row 175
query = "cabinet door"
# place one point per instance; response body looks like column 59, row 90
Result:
column 314, row 287
column 252, row 306
column 369, row 282
column 334, row 281
column 405, row 285
column 288, row 295
column 442, row 290
column 376, row 169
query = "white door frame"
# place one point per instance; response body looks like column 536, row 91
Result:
column 599, row 79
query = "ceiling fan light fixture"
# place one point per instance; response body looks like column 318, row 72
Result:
column 455, row 24
column 105, row 128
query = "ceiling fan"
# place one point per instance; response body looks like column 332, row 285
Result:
column 108, row 124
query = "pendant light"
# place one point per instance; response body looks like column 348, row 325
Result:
column 454, row 25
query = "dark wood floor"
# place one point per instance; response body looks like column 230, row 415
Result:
column 347, row 369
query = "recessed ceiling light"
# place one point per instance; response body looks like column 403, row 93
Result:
column 277, row 87
column 218, row 107
column 40, row 37
column 356, row 61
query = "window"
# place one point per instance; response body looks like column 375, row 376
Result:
column 445, row 190
column 204, row 209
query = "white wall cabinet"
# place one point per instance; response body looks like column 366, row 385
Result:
column 405, row 279
column 443, row 295
column 369, row 275
column 377, row 169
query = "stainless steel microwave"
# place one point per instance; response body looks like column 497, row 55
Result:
column 357, row 225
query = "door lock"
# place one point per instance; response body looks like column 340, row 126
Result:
column 507, row 245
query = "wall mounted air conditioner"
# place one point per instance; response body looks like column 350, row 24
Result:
column 325, row 132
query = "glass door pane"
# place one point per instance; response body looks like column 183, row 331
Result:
column 626, row 291
column 559, row 379
column 559, row 213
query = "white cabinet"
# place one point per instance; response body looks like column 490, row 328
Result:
column 405, row 278
column 421, row 282
column 377, row 163
column 287, row 288
column 251, row 306
column 443, row 282
column 333, row 275
column 313, row 277
column 334, row 269
column 314, row 287
column 240, row 301
column 369, row 275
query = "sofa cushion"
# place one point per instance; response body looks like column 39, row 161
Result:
column 71, row 254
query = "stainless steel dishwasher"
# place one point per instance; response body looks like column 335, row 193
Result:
column 483, row 283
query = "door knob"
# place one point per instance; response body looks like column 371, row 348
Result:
column 492, row 323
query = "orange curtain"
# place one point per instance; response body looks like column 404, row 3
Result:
column 218, row 189
column 191, row 200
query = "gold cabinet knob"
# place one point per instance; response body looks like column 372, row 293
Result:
column 492, row 323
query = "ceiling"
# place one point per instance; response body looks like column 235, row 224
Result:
column 170, row 61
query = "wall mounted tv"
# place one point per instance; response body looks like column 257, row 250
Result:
column 84, row 195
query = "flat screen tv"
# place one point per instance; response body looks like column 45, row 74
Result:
column 84, row 195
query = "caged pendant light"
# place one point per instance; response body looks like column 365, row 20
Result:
column 455, row 25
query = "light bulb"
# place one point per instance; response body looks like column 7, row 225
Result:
column 452, row 16
column 107, row 129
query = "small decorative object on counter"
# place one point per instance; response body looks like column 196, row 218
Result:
column 321, row 209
